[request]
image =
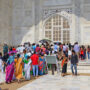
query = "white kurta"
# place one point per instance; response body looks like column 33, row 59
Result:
column 69, row 53
column 1, row 65
column 27, row 70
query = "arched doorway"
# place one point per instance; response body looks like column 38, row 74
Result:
column 57, row 29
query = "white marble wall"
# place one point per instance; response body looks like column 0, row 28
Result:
column 23, row 20
column 85, row 22
column 5, row 21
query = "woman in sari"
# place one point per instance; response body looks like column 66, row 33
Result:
column 27, row 67
column 10, row 68
column 64, row 65
column 18, row 68
column 43, row 49
column 45, row 68
column 12, row 50
column 41, row 65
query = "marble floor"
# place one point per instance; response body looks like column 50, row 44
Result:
column 56, row 82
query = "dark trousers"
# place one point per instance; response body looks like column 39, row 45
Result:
column 64, row 69
column 53, row 68
column 4, row 67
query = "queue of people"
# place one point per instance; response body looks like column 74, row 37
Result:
column 27, row 60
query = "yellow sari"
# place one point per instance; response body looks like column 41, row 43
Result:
column 18, row 68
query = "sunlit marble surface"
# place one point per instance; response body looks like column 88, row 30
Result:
column 56, row 82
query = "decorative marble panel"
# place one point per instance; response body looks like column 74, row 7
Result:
column 5, row 21
column 28, row 4
column 86, row 35
column 86, row 1
column 63, row 11
column 18, row 4
column 22, row 13
column 23, row 34
column 86, row 8
column 86, row 12
column 18, row 16
column 56, row 2
column 87, row 16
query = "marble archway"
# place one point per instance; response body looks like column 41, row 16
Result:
column 57, row 27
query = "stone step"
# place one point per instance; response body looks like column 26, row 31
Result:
column 81, row 63
column 80, row 71
column 81, row 67
column 69, row 71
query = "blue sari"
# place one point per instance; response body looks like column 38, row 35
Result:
column 41, row 66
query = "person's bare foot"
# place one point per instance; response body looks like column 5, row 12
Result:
column 62, row 74
column 18, row 81
column 36, row 77
column 75, row 74
column 72, row 74
column 8, row 82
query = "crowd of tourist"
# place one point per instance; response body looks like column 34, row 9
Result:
column 26, row 60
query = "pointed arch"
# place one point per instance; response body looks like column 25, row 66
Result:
column 57, row 28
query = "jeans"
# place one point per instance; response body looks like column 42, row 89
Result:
column 88, row 53
column 35, row 70
column 75, row 67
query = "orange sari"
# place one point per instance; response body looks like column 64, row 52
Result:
column 18, row 68
column 63, row 62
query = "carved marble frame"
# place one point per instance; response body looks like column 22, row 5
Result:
column 65, row 13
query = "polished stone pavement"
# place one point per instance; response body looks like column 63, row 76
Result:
column 56, row 82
